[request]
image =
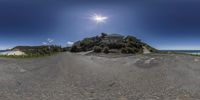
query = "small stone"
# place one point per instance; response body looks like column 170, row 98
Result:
column 196, row 60
column 22, row 70
column 123, row 98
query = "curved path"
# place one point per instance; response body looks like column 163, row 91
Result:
column 69, row 76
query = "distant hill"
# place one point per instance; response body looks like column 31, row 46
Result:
column 114, row 43
column 38, row 50
column 3, row 50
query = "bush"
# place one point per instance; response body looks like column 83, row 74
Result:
column 86, row 42
column 102, row 45
column 132, row 38
column 124, row 50
column 75, row 49
column 103, row 35
column 116, row 45
column 106, row 50
column 130, row 50
column 97, row 49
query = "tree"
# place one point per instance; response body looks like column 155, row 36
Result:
column 103, row 35
column 131, row 39
column 97, row 49
column 106, row 50
column 123, row 50
column 131, row 50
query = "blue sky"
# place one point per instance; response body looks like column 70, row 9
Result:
column 164, row 24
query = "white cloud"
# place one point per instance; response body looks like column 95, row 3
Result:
column 44, row 43
column 69, row 43
column 50, row 40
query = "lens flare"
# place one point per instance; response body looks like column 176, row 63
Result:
column 99, row 18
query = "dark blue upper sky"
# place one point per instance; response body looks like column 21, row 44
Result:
column 164, row 24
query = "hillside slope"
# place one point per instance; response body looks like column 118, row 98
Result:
column 39, row 50
column 114, row 43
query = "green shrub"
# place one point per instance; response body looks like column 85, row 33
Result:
column 103, row 35
column 106, row 50
column 124, row 50
column 75, row 49
column 97, row 49
column 116, row 45
column 86, row 42
column 130, row 50
column 132, row 38
column 103, row 45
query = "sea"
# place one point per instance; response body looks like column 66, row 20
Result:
column 194, row 52
column 4, row 52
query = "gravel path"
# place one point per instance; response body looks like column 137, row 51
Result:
column 68, row 76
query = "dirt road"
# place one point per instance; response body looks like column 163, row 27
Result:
column 69, row 76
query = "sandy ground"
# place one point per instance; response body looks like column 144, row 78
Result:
column 17, row 53
column 69, row 76
column 145, row 50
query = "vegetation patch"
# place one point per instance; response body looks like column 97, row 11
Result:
column 97, row 49
column 35, row 51
column 106, row 50
column 111, row 42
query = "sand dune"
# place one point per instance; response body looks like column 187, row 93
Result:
column 68, row 76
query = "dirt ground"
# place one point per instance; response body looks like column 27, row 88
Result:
column 68, row 76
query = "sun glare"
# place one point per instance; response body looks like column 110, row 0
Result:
column 99, row 18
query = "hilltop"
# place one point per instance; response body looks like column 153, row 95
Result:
column 112, row 43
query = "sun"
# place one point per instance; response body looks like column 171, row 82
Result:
column 99, row 18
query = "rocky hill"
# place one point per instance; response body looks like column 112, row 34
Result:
column 112, row 43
